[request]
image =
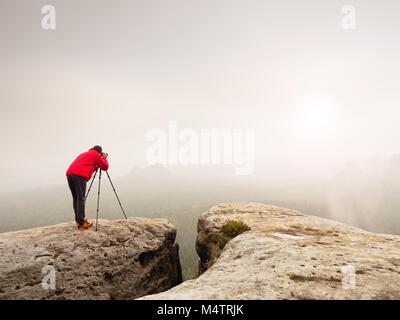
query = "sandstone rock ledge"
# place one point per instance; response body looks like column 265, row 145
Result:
column 122, row 260
column 289, row 255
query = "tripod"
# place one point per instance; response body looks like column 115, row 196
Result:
column 98, row 194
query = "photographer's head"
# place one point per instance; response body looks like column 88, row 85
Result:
column 99, row 149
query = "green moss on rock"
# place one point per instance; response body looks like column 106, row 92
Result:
column 233, row 228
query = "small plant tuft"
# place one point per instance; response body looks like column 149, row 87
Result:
column 233, row 228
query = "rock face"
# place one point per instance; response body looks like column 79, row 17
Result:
column 124, row 259
column 289, row 255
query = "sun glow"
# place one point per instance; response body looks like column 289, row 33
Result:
column 315, row 126
column 317, row 117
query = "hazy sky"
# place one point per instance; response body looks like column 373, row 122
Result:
column 316, row 94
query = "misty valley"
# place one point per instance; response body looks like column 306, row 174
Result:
column 361, row 195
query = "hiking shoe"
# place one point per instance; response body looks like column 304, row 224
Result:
column 86, row 220
column 86, row 225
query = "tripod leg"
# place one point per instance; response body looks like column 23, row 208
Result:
column 90, row 187
column 98, row 201
column 123, row 211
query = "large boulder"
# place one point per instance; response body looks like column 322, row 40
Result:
column 289, row 255
column 124, row 259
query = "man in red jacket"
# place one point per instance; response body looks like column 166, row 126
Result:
column 78, row 174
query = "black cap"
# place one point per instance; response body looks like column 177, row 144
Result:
column 99, row 149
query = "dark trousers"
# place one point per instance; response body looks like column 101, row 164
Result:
column 77, row 185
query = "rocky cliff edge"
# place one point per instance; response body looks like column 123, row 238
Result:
column 289, row 255
column 124, row 259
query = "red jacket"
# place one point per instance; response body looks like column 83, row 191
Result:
column 87, row 163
